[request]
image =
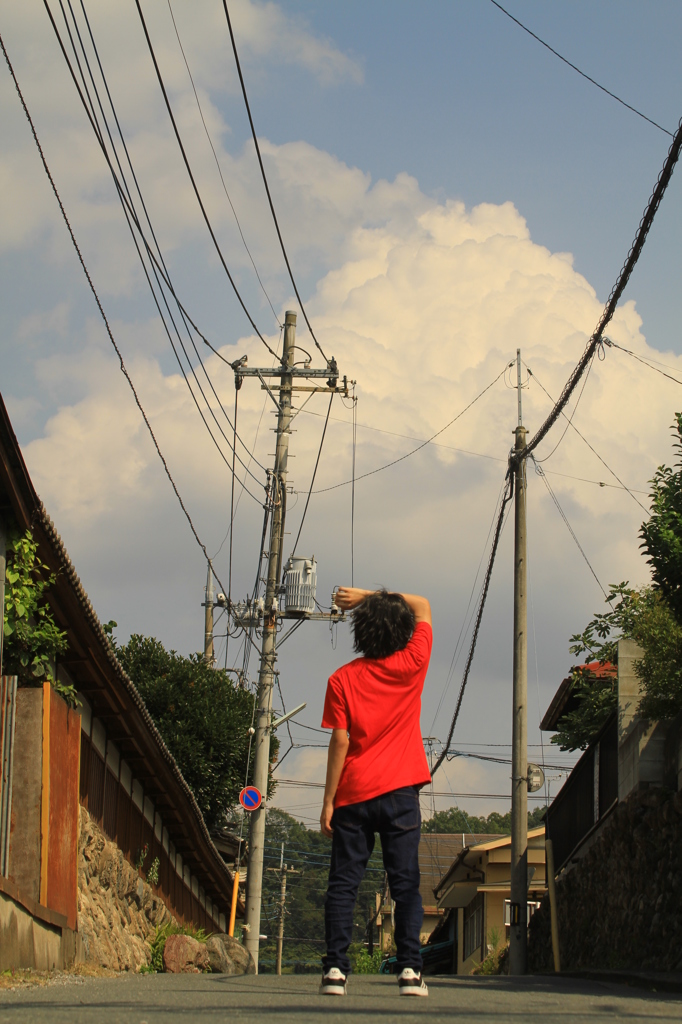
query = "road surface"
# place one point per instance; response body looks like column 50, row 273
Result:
column 214, row 999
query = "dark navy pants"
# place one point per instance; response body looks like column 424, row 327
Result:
column 397, row 819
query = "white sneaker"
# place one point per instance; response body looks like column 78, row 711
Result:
column 411, row 983
column 333, row 983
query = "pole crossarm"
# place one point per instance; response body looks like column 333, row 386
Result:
column 269, row 371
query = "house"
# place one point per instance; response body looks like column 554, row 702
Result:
column 106, row 757
column 627, row 755
column 436, row 853
column 476, row 891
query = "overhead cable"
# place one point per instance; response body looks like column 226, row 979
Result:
column 217, row 163
column 613, row 344
column 584, row 75
column 569, row 421
column 312, row 480
column 619, row 287
column 504, row 760
column 541, row 473
column 114, row 344
column 466, row 620
column 394, row 462
column 265, row 181
column 122, row 365
column 592, row 449
column 506, row 498
column 194, row 184
column 478, row 455
column 158, row 265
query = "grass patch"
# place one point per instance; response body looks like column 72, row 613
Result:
column 158, row 944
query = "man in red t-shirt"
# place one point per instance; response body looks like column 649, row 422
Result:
column 375, row 768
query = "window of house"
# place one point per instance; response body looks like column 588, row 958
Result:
column 473, row 926
column 532, row 907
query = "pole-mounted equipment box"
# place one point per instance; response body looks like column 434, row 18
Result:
column 300, row 586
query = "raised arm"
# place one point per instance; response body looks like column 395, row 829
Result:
column 350, row 597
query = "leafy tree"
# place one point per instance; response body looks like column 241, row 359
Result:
column 597, row 696
column 454, row 819
column 645, row 617
column 202, row 716
column 662, row 533
column 32, row 639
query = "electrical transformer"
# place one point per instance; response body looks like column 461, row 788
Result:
column 300, row 585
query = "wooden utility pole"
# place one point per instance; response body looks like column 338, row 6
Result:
column 519, row 792
column 282, row 905
column 266, row 677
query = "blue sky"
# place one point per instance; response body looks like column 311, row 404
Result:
column 448, row 191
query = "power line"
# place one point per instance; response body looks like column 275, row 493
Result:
column 504, row 760
column 123, row 191
column 506, row 498
column 592, row 449
column 518, row 455
column 217, row 162
column 194, row 184
column 569, row 422
column 458, row 796
column 478, row 455
column 540, row 472
column 124, row 370
column 394, row 462
column 312, row 480
column 575, row 68
column 265, row 180
column 466, row 622
column 633, row 255
column 613, row 344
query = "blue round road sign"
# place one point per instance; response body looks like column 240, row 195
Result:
column 250, row 798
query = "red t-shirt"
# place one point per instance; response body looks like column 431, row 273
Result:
column 378, row 702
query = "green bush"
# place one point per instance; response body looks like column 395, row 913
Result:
column 158, row 944
column 362, row 962
column 32, row 639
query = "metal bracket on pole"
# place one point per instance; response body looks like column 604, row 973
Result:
column 285, row 718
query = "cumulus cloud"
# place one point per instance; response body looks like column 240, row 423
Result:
column 423, row 303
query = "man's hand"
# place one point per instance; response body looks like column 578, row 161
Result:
column 350, row 597
column 326, row 818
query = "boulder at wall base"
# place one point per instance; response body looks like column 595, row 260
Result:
column 228, row 956
column 184, row 955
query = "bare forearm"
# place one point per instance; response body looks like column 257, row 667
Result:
column 419, row 606
column 338, row 748
column 348, row 598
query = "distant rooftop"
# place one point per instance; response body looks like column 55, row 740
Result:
column 564, row 700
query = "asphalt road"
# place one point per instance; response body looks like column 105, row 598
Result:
column 213, row 999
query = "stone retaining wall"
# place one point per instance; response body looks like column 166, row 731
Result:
column 620, row 907
column 117, row 911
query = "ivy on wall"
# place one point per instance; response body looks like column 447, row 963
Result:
column 32, row 639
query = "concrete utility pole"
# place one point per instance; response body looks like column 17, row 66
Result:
column 208, row 619
column 519, row 792
column 254, row 880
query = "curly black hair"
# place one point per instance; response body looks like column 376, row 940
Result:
column 382, row 625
